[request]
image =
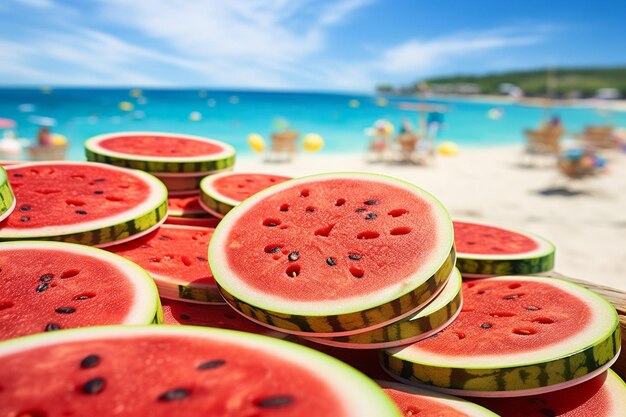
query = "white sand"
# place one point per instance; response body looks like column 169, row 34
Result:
column 489, row 185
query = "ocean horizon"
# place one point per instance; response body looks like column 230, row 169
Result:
column 231, row 115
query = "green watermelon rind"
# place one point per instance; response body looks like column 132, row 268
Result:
column 7, row 199
column 474, row 265
column 362, row 397
column 459, row 404
column 103, row 232
column 436, row 315
column 146, row 310
column 369, row 311
column 153, row 164
column 572, row 359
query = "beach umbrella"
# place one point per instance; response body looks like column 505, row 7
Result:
column 312, row 142
column 7, row 123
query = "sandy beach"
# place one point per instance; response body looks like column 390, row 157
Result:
column 587, row 225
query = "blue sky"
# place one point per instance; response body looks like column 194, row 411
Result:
column 349, row 45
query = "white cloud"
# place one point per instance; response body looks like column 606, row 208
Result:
column 417, row 56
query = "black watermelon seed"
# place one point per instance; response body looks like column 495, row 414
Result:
column 360, row 210
column 532, row 308
column 24, row 219
column 99, row 179
column 165, row 238
column 486, row 326
column 548, row 412
column 175, row 394
column 25, row 208
column 274, row 249
column 18, row 175
column 185, row 317
column 277, row 401
column 511, row 297
column 46, row 277
column 371, row 202
column 294, row 256
column 370, row 216
column 42, row 287
column 81, row 297
column 310, row 209
column 201, row 259
column 65, row 310
column 211, row 364
column 99, row 192
column 81, row 212
column 331, row 261
column 94, row 386
column 90, row 361
column 50, row 327
column 354, row 256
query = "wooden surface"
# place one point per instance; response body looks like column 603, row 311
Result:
column 618, row 299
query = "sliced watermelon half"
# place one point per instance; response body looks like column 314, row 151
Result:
column 179, row 370
column 7, row 199
column 182, row 185
column 160, row 152
column 434, row 317
column 333, row 254
column 221, row 192
column 515, row 336
column 188, row 211
column 49, row 286
column 413, row 401
column 83, row 202
column 602, row 396
column 176, row 258
column 484, row 250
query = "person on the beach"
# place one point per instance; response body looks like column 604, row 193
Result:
column 44, row 137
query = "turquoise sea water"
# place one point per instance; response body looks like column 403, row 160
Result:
column 232, row 115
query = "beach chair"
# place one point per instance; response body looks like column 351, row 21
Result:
column 407, row 144
column 283, row 146
column 47, row 153
column 545, row 141
column 599, row 137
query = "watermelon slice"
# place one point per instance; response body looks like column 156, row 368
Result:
column 163, row 371
column 516, row 335
column 159, row 152
column 49, row 286
column 83, row 202
column 176, row 257
column 333, row 254
column 484, row 250
column 602, row 396
column 438, row 314
column 7, row 199
column 413, row 401
column 221, row 192
column 187, row 211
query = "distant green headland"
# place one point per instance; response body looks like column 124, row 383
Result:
column 555, row 83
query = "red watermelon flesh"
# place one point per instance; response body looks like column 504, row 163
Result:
column 602, row 396
column 182, row 371
column 176, row 257
column 509, row 317
column 62, row 194
column 220, row 316
column 241, row 186
column 489, row 240
column 160, row 146
column 50, row 286
column 365, row 228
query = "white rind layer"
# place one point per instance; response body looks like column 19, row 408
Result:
column 349, row 304
column 358, row 395
column 601, row 324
